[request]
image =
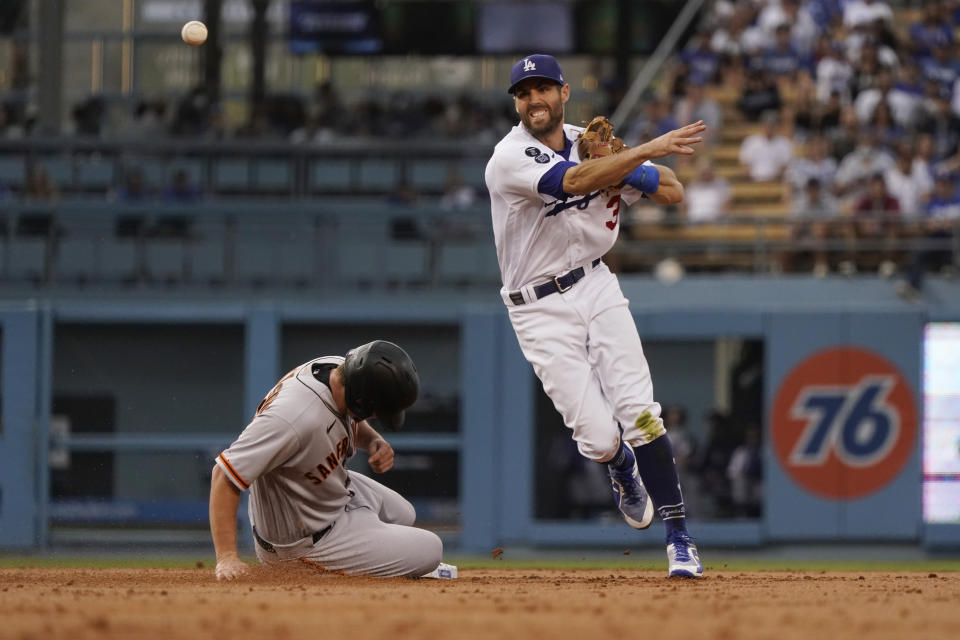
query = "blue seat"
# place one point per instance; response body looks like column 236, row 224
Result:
column 158, row 172
column 231, row 175
column 429, row 175
column 475, row 262
column 254, row 253
column 330, row 175
column 27, row 258
column 300, row 262
column 472, row 173
column 253, row 263
column 76, row 258
column 406, row 262
column 458, row 262
column 60, row 170
column 206, row 250
column 360, row 257
column 94, row 174
column 117, row 258
column 378, row 175
column 358, row 263
column 164, row 259
column 194, row 169
column 13, row 171
column 273, row 175
column 154, row 172
column 489, row 266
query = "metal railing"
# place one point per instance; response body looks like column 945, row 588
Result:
column 768, row 244
column 370, row 244
column 246, row 168
column 655, row 62
column 353, row 243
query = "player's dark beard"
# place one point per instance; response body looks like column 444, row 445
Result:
column 554, row 119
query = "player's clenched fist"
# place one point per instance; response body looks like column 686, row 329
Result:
column 381, row 455
column 676, row 141
column 229, row 566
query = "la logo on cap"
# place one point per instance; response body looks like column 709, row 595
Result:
column 529, row 65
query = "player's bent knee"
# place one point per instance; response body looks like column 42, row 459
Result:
column 597, row 453
column 430, row 553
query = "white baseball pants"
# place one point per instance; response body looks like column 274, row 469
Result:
column 584, row 346
column 374, row 536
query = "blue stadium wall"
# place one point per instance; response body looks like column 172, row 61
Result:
column 842, row 386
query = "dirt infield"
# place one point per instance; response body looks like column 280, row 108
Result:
column 301, row 603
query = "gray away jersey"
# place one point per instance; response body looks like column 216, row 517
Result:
column 291, row 456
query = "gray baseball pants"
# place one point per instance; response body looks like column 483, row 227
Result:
column 374, row 536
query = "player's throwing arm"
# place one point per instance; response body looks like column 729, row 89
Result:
column 587, row 177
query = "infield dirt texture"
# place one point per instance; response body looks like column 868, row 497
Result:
column 38, row 603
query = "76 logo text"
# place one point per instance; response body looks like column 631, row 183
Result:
column 854, row 422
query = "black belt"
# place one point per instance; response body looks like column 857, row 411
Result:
column 559, row 284
column 269, row 547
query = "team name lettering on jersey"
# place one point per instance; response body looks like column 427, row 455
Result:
column 580, row 203
column 530, row 248
column 332, row 461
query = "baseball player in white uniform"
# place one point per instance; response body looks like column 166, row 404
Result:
column 553, row 219
column 304, row 503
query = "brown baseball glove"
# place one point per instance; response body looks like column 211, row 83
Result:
column 597, row 140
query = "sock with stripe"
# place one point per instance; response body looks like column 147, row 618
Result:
column 658, row 470
column 622, row 461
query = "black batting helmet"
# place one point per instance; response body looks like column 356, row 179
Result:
column 380, row 378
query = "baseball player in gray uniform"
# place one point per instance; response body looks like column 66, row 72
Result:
column 304, row 503
column 554, row 217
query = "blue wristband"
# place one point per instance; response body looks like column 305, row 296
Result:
column 646, row 178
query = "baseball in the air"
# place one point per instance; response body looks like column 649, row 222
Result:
column 194, row 33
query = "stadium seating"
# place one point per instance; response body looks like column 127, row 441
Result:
column 378, row 175
column 165, row 260
column 429, row 175
column 94, row 175
column 468, row 263
column 206, row 251
column 330, row 176
column 231, row 175
column 12, row 171
column 273, row 176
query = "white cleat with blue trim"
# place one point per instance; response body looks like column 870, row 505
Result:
column 630, row 495
column 683, row 557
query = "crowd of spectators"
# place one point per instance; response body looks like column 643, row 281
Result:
column 859, row 119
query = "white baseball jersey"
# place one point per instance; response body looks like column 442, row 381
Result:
column 538, row 232
column 291, row 456
column 582, row 343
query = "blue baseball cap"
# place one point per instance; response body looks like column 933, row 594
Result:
column 538, row 65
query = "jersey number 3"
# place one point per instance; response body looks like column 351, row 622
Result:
column 614, row 204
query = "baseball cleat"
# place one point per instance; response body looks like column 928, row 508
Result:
column 683, row 557
column 630, row 495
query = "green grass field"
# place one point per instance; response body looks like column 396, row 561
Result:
column 717, row 562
